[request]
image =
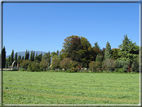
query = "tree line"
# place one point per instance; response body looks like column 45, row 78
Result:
column 77, row 53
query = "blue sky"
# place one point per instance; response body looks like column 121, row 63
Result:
column 44, row 26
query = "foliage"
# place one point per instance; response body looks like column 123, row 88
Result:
column 21, row 69
column 96, row 45
column 135, row 66
column 115, row 53
column 11, row 58
column 121, row 70
column 73, row 49
column 26, row 55
column 95, row 66
column 109, row 64
column 123, row 64
column 78, row 49
column 55, row 62
column 47, row 57
column 6, row 65
column 107, row 51
column 43, row 65
column 99, row 58
column 74, row 69
column 23, row 57
column 38, row 58
column 25, row 63
column 34, row 66
column 53, row 54
column 32, row 56
column 19, row 57
column 58, row 53
column 65, row 63
column 73, row 66
column 9, row 61
column 15, row 58
column 128, row 49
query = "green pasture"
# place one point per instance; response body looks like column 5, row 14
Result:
column 69, row 88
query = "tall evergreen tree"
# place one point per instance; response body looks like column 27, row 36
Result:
column 31, row 56
column 3, row 57
column 107, row 51
column 11, row 58
column 115, row 54
column 26, row 55
column 38, row 58
column 96, row 45
column 15, row 58
column 46, row 57
column 9, row 61
column 22, row 57
column 19, row 57
column 35, row 58
column 124, row 46
column 57, row 53
column 128, row 50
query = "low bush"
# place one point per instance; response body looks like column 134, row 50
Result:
column 68, row 71
column 120, row 70
column 21, row 69
column 74, row 69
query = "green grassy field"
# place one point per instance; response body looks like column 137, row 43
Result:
column 69, row 88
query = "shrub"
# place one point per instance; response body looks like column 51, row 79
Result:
column 73, row 64
column 74, row 69
column 68, row 71
column 116, row 70
column 99, row 58
column 25, row 63
column 120, row 70
column 21, row 69
column 125, row 64
column 109, row 64
column 65, row 63
column 34, row 66
column 135, row 66
column 92, row 65
column 95, row 66
column 55, row 62
column 43, row 65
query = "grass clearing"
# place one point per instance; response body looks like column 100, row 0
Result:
column 69, row 88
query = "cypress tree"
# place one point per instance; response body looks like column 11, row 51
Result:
column 11, row 58
column 107, row 51
column 15, row 59
column 31, row 55
column 19, row 57
column 9, row 61
column 26, row 55
column 23, row 57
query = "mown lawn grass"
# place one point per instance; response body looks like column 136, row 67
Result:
column 69, row 88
